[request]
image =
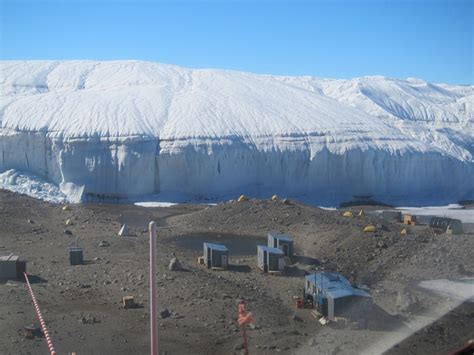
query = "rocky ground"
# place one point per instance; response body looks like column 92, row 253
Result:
column 82, row 304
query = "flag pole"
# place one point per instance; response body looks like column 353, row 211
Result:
column 153, row 293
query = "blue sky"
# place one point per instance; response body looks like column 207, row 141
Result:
column 429, row 39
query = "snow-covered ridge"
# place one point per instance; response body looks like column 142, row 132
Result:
column 125, row 128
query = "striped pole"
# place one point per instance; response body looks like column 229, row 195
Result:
column 40, row 317
column 153, row 295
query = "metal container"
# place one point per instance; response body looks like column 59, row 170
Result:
column 11, row 267
column 282, row 242
column 215, row 255
column 76, row 256
column 270, row 259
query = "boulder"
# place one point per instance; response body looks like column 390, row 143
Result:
column 165, row 314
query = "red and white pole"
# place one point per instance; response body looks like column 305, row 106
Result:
column 40, row 317
column 153, row 293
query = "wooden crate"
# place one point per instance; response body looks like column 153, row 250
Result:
column 128, row 302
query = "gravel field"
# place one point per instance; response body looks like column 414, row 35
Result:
column 82, row 304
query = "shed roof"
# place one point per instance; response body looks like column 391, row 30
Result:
column 10, row 257
column 339, row 292
column 335, row 285
column 271, row 250
column 281, row 236
column 214, row 246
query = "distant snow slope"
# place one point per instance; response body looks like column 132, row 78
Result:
column 119, row 129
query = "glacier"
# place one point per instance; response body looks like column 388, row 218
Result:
column 117, row 130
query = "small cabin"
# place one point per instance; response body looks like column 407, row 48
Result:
column 216, row 256
column 270, row 259
column 76, row 256
column 409, row 219
column 282, row 242
column 392, row 216
column 334, row 296
column 11, row 268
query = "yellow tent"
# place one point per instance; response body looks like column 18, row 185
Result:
column 348, row 214
column 361, row 213
column 243, row 198
column 404, row 231
column 69, row 222
column 370, row 228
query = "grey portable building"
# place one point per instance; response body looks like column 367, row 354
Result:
column 215, row 255
column 270, row 259
column 334, row 296
column 391, row 215
column 11, row 267
column 423, row 219
column 282, row 242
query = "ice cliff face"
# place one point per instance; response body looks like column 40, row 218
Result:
column 106, row 130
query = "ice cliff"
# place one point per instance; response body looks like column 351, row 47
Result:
column 121, row 129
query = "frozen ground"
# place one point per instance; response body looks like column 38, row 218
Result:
column 119, row 130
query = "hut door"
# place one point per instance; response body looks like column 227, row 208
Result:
column 265, row 261
column 217, row 260
column 273, row 264
column 209, row 258
column 285, row 249
column 331, row 308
